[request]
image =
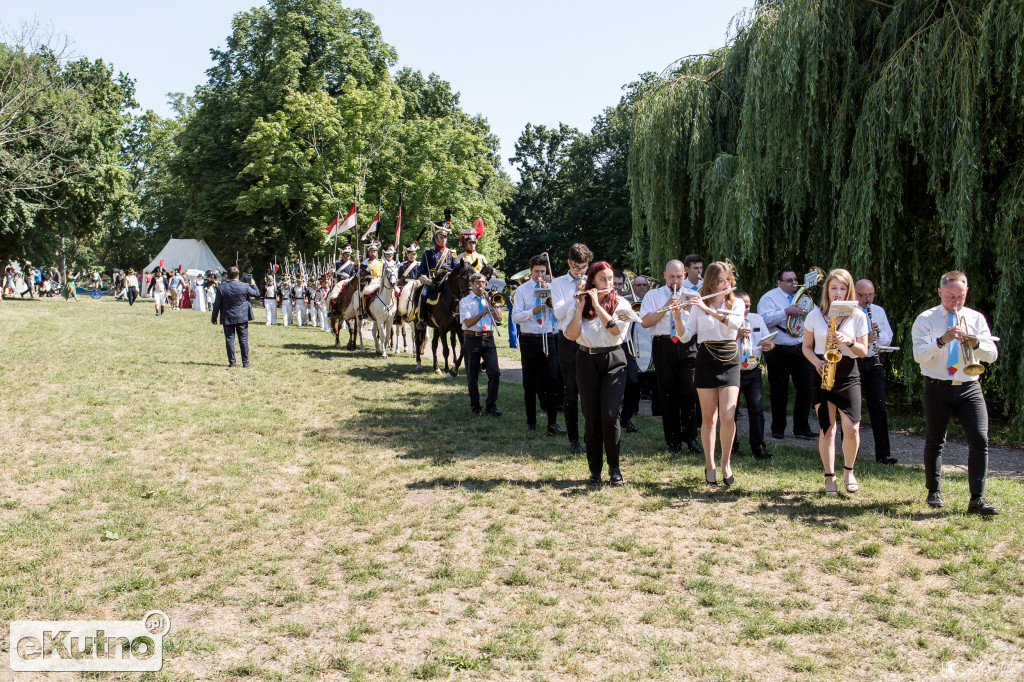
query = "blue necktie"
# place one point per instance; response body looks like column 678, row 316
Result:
column 953, row 358
column 480, row 309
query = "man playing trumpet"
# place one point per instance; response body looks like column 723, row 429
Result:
column 950, row 342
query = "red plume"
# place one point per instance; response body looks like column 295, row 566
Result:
column 479, row 227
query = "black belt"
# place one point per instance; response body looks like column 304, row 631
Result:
column 536, row 333
column 597, row 351
column 468, row 332
column 951, row 382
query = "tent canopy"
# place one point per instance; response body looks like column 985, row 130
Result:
column 189, row 254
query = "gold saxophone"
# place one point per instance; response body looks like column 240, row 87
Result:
column 832, row 355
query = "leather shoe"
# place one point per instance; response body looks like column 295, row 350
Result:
column 979, row 506
column 614, row 477
column 670, row 450
column 595, row 479
column 494, row 411
column 629, row 426
column 694, row 446
column 575, row 448
column 478, row 412
column 935, row 500
column 887, row 460
column 778, row 436
column 762, row 454
column 555, row 430
column 806, row 436
column 530, row 428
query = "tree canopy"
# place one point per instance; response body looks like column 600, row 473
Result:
column 883, row 138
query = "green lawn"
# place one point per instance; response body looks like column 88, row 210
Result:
column 332, row 515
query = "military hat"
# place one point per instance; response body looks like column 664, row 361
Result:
column 347, row 249
column 390, row 251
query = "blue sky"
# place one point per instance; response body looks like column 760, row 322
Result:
column 514, row 62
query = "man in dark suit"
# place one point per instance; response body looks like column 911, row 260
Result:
column 232, row 303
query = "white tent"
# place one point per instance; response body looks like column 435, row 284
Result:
column 189, row 254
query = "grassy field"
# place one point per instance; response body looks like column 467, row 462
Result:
column 329, row 515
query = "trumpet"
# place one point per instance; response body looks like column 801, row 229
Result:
column 667, row 308
column 972, row 367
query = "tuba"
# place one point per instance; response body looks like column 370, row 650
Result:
column 802, row 299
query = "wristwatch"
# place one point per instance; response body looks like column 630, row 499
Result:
column 610, row 323
column 939, row 342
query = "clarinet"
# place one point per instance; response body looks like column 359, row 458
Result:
column 873, row 346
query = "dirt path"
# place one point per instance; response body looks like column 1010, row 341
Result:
column 909, row 449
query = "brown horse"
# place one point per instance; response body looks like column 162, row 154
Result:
column 443, row 317
column 343, row 310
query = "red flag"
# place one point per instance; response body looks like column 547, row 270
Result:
column 398, row 228
column 333, row 223
column 372, row 229
column 350, row 222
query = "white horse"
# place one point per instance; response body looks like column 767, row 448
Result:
column 382, row 309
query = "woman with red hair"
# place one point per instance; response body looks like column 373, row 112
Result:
column 600, row 326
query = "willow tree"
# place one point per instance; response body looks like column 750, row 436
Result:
column 884, row 138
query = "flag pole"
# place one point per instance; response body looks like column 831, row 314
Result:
column 359, row 264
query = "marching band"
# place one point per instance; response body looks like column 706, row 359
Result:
column 593, row 339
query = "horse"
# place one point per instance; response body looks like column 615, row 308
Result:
column 344, row 307
column 382, row 309
column 443, row 317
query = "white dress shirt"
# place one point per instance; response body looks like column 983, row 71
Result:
column 563, row 290
column 879, row 317
column 594, row 333
column 710, row 328
column 693, row 288
column 853, row 326
column 522, row 305
column 657, row 298
column 758, row 331
column 930, row 325
column 772, row 309
column 470, row 306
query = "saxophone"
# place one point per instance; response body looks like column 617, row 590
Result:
column 832, row 355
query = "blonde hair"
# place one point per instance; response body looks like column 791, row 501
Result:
column 711, row 276
column 844, row 277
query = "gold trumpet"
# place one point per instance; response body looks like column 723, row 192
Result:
column 972, row 367
column 498, row 299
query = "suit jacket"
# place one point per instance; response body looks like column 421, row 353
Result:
column 232, row 302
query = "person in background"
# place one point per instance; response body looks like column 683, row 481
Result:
column 132, row 284
column 232, row 305
column 872, row 370
column 158, row 290
column 751, row 333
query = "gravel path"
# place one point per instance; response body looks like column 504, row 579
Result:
column 909, row 449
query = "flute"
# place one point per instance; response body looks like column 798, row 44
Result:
column 581, row 294
column 665, row 309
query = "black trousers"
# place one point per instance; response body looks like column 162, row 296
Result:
column 602, row 381
column 133, row 293
column 751, row 389
column 785, row 363
column 242, row 330
column 567, row 367
column 872, row 386
column 481, row 351
column 942, row 400
column 540, row 376
column 631, row 396
column 674, row 365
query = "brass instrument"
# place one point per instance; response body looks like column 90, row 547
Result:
column 801, row 299
column 498, row 299
column 747, row 349
column 832, row 354
column 545, row 313
column 972, row 367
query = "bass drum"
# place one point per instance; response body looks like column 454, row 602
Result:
column 642, row 343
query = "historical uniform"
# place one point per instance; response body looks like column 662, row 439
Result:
column 286, row 301
column 436, row 263
column 270, row 301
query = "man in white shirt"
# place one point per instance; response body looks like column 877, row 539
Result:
column 787, row 360
column 674, row 363
column 642, row 341
column 943, row 337
column 872, row 370
column 540, row 370
column 693, row 268
column 750, row 376
column 478, row 319
column 563, row 298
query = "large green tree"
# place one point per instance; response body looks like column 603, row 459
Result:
column 881, row 137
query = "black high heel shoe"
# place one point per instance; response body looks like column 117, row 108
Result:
column 714, row 478
column 729, row 480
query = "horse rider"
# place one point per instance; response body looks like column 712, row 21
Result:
column 409, row 268
column 345, row 268
column 389, row 256
column 436, row 263
column 372, row 266
column 472, row 256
